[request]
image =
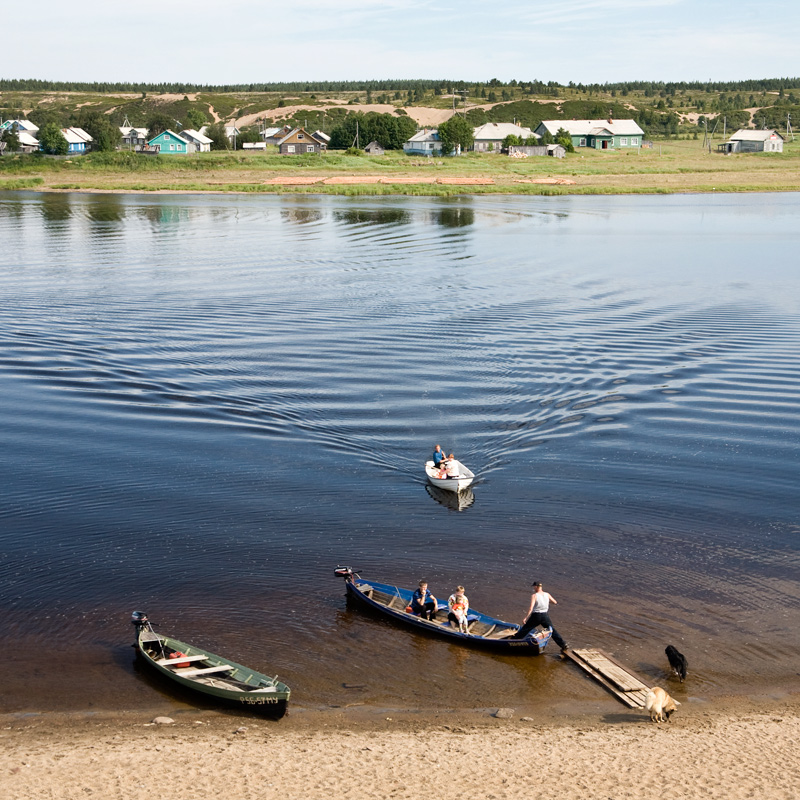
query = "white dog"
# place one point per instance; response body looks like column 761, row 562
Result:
column 660, row 704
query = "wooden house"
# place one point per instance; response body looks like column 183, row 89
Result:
column 489, row 138
column 425, row 142
column 201, row 142
column 169, row 143
column 274, row 135
column 133, row 138
column 298, row 141
column 600, row 134
column 374, row 149
column 78, row 141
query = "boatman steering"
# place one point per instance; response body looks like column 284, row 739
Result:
column 537, row 615
column 438, row 455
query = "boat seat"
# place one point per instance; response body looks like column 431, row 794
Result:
column 503, row 633
column 171, row 662
column 190, row 673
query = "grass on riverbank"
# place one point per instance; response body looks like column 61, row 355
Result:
column 675, row 166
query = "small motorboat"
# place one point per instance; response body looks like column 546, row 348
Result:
column 483, row 631
column 212, row 675
column 456, row 501
column 449, row 483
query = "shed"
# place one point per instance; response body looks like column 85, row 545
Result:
column 374, row 149
column 748, row 141
column 201, row 142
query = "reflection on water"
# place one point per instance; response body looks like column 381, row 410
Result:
column 206, row 403
column 457, row 501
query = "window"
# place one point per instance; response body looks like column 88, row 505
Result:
column 310, row 148
column 172, row 147
column 634, row 141
column 623, row 142
column 583, row 143
column 290, row 148
column 299, row 135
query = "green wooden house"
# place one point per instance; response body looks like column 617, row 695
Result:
column 169, row 143
column 601, row 134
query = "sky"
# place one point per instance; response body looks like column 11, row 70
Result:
column 262, row 41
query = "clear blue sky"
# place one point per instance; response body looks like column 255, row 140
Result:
column 234, row 41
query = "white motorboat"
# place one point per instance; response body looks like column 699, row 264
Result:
column 450, row 483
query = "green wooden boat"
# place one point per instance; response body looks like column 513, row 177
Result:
column 212, row 675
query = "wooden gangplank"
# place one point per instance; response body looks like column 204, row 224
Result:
column 606, row 670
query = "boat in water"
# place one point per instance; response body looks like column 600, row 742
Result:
column 449, row 483
column 212, row 675
column 482, row 630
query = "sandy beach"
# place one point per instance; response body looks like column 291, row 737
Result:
column 741, row 749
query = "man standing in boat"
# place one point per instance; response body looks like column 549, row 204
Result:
column 537, row 615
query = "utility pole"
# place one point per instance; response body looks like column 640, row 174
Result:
column 789, row 131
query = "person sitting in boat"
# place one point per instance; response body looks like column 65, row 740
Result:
column 451, row 470
column 438, row 455
column 458, row 606
column 423, row 603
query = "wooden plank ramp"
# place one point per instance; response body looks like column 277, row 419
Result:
column 606, row 670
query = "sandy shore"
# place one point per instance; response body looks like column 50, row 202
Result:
column 741, row 750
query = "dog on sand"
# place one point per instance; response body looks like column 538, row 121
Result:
column 677, row 661
column 660, row 705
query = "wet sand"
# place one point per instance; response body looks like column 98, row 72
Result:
column 738, row 749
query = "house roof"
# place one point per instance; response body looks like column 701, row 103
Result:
column 26, row 139
column 270, row 132
column 594, row 127
column 80, row 132
column 322, row 136
column 425, row 135
column 76, row 135
column 497, row 131
column 20, row 125
column 126, row 131
column 171, row 133
column 195, row 136
column 754, row 136
column 293, row 133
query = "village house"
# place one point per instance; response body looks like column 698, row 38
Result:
column 374, row 149
column 489, row 138
column 19, row 125
column 274, row 135
column 600, row 134
column 425, row 142
column 201, row 142
column 27, row 142
column 78, row 141
column 133, row 138
column 297, row 141
column 746, row 141
column 169, row 143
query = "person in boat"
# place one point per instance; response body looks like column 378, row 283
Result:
column 451, row 470
column 438, row 456
column 538, row 615
column 458, row 606
column 423, row 603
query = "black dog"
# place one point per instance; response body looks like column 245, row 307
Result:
column 677, row 661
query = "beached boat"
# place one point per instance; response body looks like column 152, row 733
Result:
column 212, row 675
column 449, row 484
column 483, row 631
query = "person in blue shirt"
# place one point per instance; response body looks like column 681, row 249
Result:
column 438, row 455
column 423, row 603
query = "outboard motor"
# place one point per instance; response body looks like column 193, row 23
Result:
column 139, row 620
column 345, row 572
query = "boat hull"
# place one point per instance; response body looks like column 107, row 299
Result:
column 224, row 681
column 533, row 644
column 449, row 484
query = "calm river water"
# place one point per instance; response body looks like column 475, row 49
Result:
column 207, row 403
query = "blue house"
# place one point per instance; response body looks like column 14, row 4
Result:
column 78, row 141
column 169, row 142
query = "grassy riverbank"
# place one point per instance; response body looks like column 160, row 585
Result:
column 669, row 167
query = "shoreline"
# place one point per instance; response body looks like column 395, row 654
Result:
column 702, row 752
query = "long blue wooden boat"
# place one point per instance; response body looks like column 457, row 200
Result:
column 483, row 631
column 212, row 675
